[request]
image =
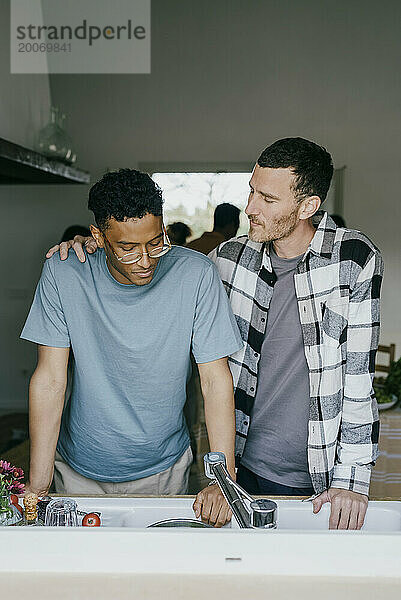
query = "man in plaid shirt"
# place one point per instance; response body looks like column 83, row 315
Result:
column 305, row 294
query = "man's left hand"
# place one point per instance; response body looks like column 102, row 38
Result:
column 212, row 507
column 348, row 508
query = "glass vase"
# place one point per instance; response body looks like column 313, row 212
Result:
column 53, row 141
column 9, row 514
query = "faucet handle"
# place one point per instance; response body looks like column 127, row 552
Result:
column 264, row 513
column 211, row 459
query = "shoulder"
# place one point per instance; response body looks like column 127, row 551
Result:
column 234, row 248
column 353, row 245
column 194, row 243
column 62, row 270
column 237, row 252
column 191, row 258
column 187, row 263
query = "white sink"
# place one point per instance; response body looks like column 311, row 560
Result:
column 124, row 559
column 292, row 514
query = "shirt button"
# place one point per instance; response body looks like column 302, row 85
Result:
column 245, row 423
column 256, row 354
column 252, row 389
column 263, row 319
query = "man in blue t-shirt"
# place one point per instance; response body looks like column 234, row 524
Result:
column 131, row 314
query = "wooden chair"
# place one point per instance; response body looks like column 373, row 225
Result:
column 390, row 351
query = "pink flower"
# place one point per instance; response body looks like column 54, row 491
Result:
column 18, row 473
column 16, row 488
column 9, row 476
column 5, row 467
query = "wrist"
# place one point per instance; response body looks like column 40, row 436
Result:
column 39, row 490
column 232, row 473
column 39, row 486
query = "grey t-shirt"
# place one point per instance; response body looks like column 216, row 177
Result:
column 131, row 347
column 276, row 447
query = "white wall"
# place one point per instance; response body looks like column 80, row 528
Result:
column 24, row 99
column 33, row 218
column 228, row 78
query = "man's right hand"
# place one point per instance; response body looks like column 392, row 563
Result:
column 77, row 244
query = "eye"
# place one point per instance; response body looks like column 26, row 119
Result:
column 155, row 243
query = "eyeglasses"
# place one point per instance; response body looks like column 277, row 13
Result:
column 133, row 257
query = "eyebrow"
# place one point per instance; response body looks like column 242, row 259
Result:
column 123, row 243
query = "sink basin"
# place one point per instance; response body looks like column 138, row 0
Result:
column 191, row 523
column 292, row 514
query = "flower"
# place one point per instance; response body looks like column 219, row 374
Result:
column 9, row 479
column 5, row 467
column 17, row 488
column 18, row 473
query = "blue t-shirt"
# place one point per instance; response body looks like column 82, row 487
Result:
column 131, row 346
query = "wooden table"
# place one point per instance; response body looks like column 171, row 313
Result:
column 386, row 475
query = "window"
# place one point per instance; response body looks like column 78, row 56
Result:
column 192, row 197
column 192, row 191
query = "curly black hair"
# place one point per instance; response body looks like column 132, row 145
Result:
column 124, row 194
column 311, row 164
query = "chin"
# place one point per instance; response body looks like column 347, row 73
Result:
column 141, row 280
column 257, row 236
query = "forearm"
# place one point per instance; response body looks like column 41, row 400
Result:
column 220, row 418
column 46, row 400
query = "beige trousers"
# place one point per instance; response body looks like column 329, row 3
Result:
column 173, row 481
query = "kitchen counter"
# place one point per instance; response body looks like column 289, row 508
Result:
column 301, row 557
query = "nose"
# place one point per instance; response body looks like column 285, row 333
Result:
column 144, row 262
column 251, row 208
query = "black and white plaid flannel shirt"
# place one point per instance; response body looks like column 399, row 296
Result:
column 337, row 285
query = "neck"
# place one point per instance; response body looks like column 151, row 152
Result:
column 119, row 277
column 297, row 242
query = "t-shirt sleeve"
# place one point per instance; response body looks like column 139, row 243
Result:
column 46, row 324
column 215, row 332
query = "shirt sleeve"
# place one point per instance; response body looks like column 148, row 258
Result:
column 46, row 324
column 357, row 447
column 215, row 332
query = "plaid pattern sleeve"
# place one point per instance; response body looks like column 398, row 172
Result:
column 357, row 447
column 337, row 285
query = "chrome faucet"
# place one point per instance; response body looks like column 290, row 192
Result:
column 261, row 513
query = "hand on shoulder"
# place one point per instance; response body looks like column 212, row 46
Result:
column 77, row 244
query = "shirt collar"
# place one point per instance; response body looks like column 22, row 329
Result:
column 323, row 241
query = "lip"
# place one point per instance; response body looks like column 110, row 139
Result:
column 144, row 274
column 253, row 224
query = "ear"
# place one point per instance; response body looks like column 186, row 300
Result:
column 308, row 207
column 97, row 235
